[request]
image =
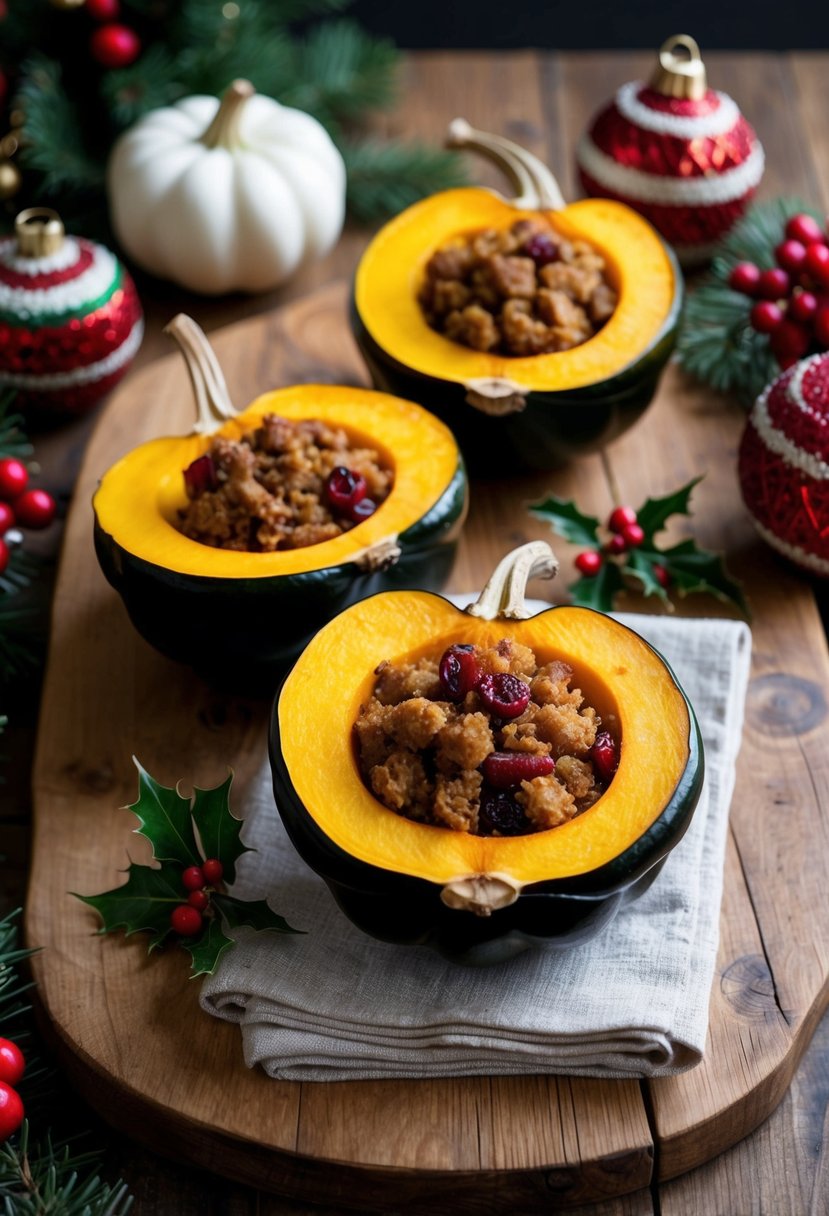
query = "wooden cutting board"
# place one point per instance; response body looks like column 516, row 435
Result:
column 129, row 1029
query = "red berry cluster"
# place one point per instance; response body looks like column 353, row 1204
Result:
column 459, row 673
column 20, row 506
column 793, row 296
column 187, row 919
column 112, row 45
column 626, row 533
column 12, row 1067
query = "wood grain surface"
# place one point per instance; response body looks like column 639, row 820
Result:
column 481, row 1146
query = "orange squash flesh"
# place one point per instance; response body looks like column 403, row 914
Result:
column 138, row 498
column 617, row 671
column 393, row 267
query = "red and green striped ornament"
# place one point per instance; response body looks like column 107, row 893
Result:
column 70, row 318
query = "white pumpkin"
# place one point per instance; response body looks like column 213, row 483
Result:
column 226, row 196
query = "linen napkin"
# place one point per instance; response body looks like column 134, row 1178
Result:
column 336, row 1005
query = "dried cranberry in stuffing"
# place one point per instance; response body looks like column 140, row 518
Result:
column 344, row 489
column 541, row 248
column 505, row 769
column 605, row 756
column 499, row 812
column 504, row 695
column 200, row 476
column 458, row 671
column 363, row 509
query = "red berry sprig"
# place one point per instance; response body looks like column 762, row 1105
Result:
column 187, row 919
column 12, row 1067
column 792, row 306
column 626, row 533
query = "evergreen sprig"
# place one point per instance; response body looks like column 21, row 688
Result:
column 717, row 344
column 333, row 70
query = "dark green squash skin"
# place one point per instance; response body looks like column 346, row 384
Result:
column 242, row 634
column 554, row 427
column 557, row 914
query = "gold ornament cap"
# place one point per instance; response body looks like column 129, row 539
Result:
column 680, row 74
column 39, row 232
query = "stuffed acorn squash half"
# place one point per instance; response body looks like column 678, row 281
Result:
column 469, row 354
column 481, row 895
column 240, row 614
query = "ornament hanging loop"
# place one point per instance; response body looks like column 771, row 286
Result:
column 39, row 232
column 680, row 75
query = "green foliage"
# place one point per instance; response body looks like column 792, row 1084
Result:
column 384, row 178
column 54, row 141
column 45, row 1180
column 13, row 442
column 716, row 343
column 144, row 903
column 338, row 72
column 688, row 568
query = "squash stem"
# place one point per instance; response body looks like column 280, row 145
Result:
column 503, row 596
column 537, row 188
column 213, row 403
column 223, row 131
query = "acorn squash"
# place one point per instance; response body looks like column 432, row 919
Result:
column 482, row 899
column 240, row 617
column 506, row 411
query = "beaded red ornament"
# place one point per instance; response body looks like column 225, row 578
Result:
column 783, row 464
column 70, row 318
column 676, row 151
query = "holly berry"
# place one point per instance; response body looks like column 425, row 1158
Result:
column 789, row 341
column 198, row 900
column 14, row 478
column 633, row 535
column 213, row 870
column 765, row 316
column 661, row 575
column 589, row 563
column 774, row 284
column 802, row 307
column 11, row 1111
column 186, row 920
column 744, row 277
column 790, row 255
column 803, row 228
column 12, row 1062
column 193, row 878
column 115, row 46
column 816, row 262
column 35, row 509
column 5, row 554
column 616, row 545
column 821, row 324
column 7, row 519
column 103, row 10
column 620, row 517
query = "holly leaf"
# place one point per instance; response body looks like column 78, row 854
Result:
column 692, row 569
column 565, row 518
column 142, row 904
column 655, row 512
column 164, row 818
column 209, row 948
column 255, row 913
column 640, row 566
column 597, row 590
column 219, row 829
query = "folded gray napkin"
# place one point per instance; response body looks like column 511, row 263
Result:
column 336, row 1005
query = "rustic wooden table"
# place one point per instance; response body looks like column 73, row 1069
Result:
column 543, row 101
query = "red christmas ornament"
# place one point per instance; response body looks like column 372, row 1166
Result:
column 5, row 554
column 103, row 10
column 676, row 151
column 11, row 1111
column 34, row 509
column 12, row 1062
column 783, row 464
column 6, row 518
column 70, row 318
column 14, row 477
column 115, row 46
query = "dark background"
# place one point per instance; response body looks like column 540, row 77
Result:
column 599, row 25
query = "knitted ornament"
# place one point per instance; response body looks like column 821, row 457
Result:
column 70, row 319
column 676, row 151
column 784, row 464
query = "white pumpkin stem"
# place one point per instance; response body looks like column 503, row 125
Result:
column 537, row 188
column 223, row 131
column 213, row 403
column 503, row 596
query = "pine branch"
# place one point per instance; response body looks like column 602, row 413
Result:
column 13, row 441
column 339, row 72
column 146, row 85
column 385, row 178
column 53, row 140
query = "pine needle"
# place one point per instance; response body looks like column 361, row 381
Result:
column 385, row 178
column 53, row 128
